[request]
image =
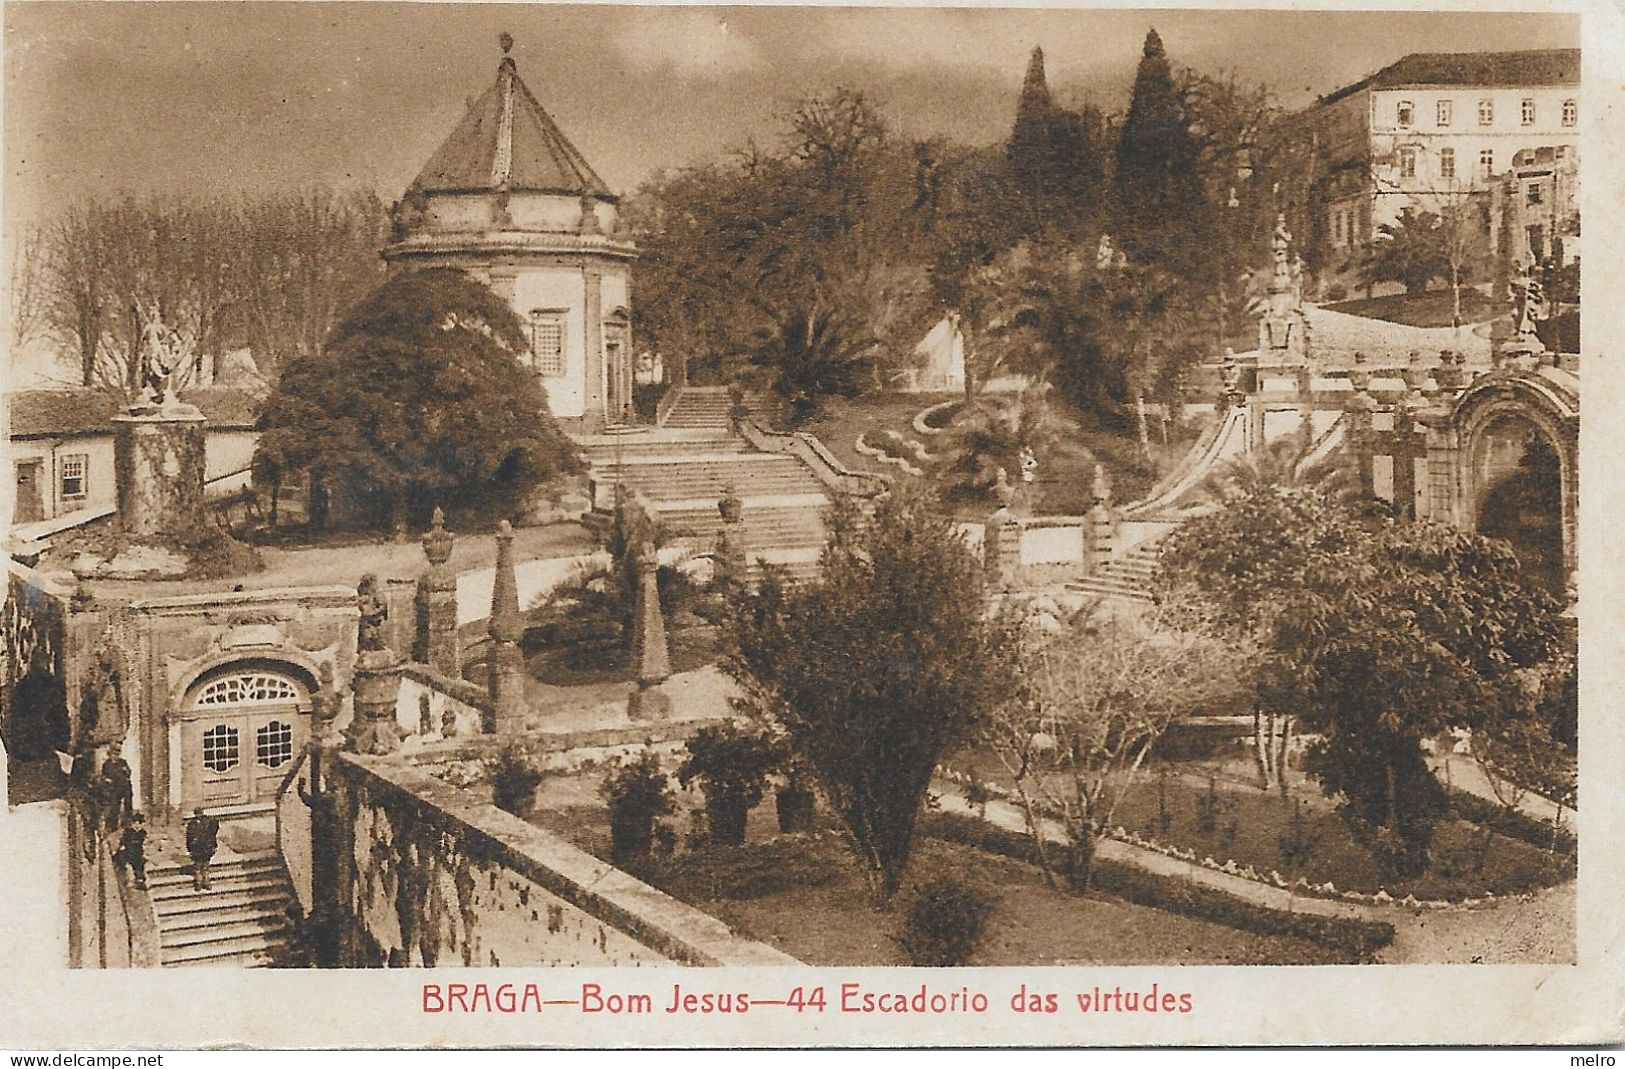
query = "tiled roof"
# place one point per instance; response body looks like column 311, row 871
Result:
column 1548, row 66
column 80, row 411
column 507, row 140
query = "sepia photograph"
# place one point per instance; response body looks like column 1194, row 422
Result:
column 510, row 487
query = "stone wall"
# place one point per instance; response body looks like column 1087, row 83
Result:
column 431, row 875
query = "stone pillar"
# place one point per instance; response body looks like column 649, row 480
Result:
column 594, row 414
column 733, row 567
column 436, row 643
column 376, row 682
column 158, row 460
column 1099, row 530
column 316, row 791
column 506, row 678
column 651, row 658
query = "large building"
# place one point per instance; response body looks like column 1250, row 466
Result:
column 1435, row 128
column 509, row 199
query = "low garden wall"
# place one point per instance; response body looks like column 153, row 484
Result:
column 432, row 874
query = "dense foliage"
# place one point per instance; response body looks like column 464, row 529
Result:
column 732, row 766
column 876, row 670
column 1379, row 633
column 417, row 400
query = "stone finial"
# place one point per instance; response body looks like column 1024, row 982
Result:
column 1101, row 486
column 506, row 623
column 437, row 544
column 589, row 214
column 651, row 656
column 373, row 612
column 505, row 39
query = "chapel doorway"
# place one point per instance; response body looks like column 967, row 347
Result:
column 1520, row 496
column 239, row 733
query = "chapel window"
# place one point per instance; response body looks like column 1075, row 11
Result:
column 547, row 342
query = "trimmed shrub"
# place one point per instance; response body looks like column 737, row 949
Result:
column 514, row 780
column 731, row 767
column 637, row 792
column 944, row 922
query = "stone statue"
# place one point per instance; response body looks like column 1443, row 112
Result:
column 1002, row 490
column 1029, row 464
column 370, row 629
column 1230, row 373
column 1529, row 299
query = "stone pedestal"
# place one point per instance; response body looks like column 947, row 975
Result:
column 1001, row 550
column 436, row 643
column 159, row 460
column 650, row 654
column 377, row 685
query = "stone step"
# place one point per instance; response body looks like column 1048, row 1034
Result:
column 180, row 907
column 631, row 451
column 184, row 929
column 231, row 927
column 1109, row 588
column 218, row 882
column 256, row 949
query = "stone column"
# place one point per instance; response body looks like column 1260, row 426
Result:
column 593, row 413
column 376, row 682
column 650, row 656
column 158, row 460
column 1100, row 527
column 436, row 643
column 506, row 678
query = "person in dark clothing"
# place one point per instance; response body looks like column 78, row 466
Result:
column 117, row 791
column 202, row 839
column 132, row 850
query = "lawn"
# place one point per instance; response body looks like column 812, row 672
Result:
column 804, row 894
column 1194, row 807
column 1431, row 309
column 1064, row 480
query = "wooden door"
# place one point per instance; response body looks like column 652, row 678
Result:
column 30, row 501
column 241, row 733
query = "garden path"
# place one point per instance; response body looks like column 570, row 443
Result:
column 1465, row 774
column 1532, row 928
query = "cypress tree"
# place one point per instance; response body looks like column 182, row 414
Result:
column 1053, row 155
column 1162, row 209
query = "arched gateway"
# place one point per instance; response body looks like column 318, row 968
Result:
column 240, row 726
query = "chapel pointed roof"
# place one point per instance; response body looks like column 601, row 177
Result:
column 508, row 141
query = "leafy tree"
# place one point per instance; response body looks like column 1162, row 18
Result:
column 1056, row 158
column 1102, row 693
column 1410, row 251
column 1378, row 633
column 1163, row 214
column 877, row 669
column 811, row 354
column 417, row 400
column 993, row 432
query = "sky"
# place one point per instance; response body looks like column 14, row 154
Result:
column 103, row 98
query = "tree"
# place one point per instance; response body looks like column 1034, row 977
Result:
column 1378, row 633
column 417, row 400
column 877, row 669
column 1055, row 158
column 1102, row 694
column 811, row 353
column 1163, row 214
column 993, row 432
column 1410, row 251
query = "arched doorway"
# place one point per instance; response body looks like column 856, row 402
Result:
column 240, row 728
column 1518, row 477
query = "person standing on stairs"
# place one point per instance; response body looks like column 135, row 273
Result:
column 202, row 839
column 132, row 849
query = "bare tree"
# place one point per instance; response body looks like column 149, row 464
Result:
column 1104, row 693
column 25, row 295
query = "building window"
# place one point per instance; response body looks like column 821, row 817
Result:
column 547, row 342
column 1486, row 163
column 1407, row 113
column 1407, row 162
column 1486, row 112
column 273, row 744
column 1532, row 194
column 75, row 475
column 1446, row 112
column 1527, row 111
column 1447, row 163
column 252, row 688
column 1571, row 112
column 220, row 748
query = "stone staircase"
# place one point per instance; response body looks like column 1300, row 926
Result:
column 241, row 920
column 1125, row 577
column 699, row 408
column 684, row 473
